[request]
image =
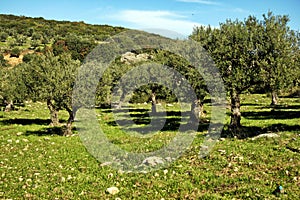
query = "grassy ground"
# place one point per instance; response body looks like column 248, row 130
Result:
column 37, row 163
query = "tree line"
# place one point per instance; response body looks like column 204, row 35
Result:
column 252, row 56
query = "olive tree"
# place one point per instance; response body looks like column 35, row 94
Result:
column 277, row 54
column 232, row 47
column 51, row 78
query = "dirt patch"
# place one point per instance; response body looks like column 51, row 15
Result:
column 13, row 61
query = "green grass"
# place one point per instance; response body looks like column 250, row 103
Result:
column 37, row 163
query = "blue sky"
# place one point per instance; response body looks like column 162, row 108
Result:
column 175, row 15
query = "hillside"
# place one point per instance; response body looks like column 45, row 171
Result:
column 26, row 34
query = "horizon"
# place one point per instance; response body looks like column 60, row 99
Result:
column 177, row 16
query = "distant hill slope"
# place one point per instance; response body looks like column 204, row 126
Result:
column 23, row 25
column 28, row 34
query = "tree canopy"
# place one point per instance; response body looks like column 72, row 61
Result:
column 49, row 78
column 250, row 53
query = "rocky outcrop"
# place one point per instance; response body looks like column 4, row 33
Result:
column 132, row 58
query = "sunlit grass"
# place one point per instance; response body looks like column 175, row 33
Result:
column 36, row 163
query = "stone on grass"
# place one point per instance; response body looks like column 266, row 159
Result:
column 105, row 164
column 222, row 151
column 153, row 161
column 19, row 133
column 25, row 140
column 266, row 135
column 113, row 190
column 168, row 159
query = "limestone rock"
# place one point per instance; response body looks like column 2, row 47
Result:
column 266, row 135
column 131, row 58
column 153, row 161
column 113, row 190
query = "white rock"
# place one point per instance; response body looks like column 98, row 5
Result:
column 113, row 190
column 25, row 140
column 168, row 159
column 19, row 133
column 130, row 57
column 105, row 164
column 266, row 135
column 153, row 161
column 110, row 175
column 222, row 151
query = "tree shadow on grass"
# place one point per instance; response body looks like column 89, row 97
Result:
column 57, row 130
column 139, row 120
column 274, row 114
column 252, row 131
column 42, row 122
column 250, row 104
column 46, row 131
column 124, row 109
column 25, row 121
column 284, row 107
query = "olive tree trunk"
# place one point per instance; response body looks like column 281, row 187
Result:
column 122, row 99
column 274, row 98
column 8, row 106
column 153, row 101
column 235, row 122
column 68, row 129
column 196, row 111
column 53, row 114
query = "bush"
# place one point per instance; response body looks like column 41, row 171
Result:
column 1, row 58
column 3, row 62
column 15, row 52
column 36, row 36
column 28, row 57
column 3, row 36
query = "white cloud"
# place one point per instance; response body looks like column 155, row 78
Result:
column 240, row 10
column 205, row 2
column 164, row 20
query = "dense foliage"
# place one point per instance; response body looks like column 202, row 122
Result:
column 252, row 54
column 39, row 34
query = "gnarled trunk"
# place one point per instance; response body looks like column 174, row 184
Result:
column 196, row 111
column 153, row 100
column 8, row 106
column 122, row 99
column 68, row 128
column 53, row 114
column 274, row 98
column 235, row 122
